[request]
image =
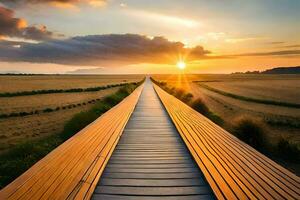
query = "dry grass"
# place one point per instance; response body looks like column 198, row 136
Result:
column 45, row 82
column 277, row 121
column 19, row 129
column 18, row 159
column 277, row 90
column 282, row 121
column 39, row 102
column 14, row 130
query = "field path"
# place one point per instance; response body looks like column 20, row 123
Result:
column 143, row 149
column 151, row 161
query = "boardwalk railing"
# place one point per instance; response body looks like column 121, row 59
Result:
column 233, row 169
column 72, row 170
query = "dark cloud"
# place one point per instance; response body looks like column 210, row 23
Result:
column 5, row 43
column 103, row 49
column 11, row 26
column 37, row 33
column 8, row 23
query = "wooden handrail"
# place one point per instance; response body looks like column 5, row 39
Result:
column 73, row 169
column 233, row 169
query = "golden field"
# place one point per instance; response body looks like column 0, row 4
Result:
column 41, row 101
column 45, row 82
column 281, row 121
column 18, row 129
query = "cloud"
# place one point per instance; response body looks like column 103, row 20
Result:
column 275, row 42
column 284, row 45
column 272, row 53
column 243, row 39
column 292, row 46
column 58, row 3
column 17, row 27
column 95, row 50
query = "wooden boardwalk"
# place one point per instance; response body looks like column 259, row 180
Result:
column 233, row 169
column 159, row 154
column 72, row 170
column 151, row 161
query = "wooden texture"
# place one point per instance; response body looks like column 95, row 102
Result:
column 151, row 161
column 233, row 169
column 72, row 170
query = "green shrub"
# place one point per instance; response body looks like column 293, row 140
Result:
column 162, row 84
column 78, row 122
column 187, row 97
column 215, row 118
column 200, row 106
column 171, row 90
column 179, row 93
column 112, row 99
column 283, row 122
column 20, row 158
column 14, row 115
column 288, row 151
column 3, row 116
column 126, row 90
column 250, row 131
column 23, row 114
column 101, row 107
column 48, row 110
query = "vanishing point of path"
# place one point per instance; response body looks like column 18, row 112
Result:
column 151, row 161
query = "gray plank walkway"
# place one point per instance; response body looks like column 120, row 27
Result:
column 151, row 161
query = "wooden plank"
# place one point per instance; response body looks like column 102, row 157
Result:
column 152, row 182
column 232, row 168
column 153, row 191
column 135, row 197
column 151, row 159
column 70, row 167
column 136, row 175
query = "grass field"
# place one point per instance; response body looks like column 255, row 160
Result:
column 19, row 158
column 27, row 118
column 276, row 90
column 278, row 121
column 283, row 121
column 46, row 82
column 41, row 101
column 14, row 130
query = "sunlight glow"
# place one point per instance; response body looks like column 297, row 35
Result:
column 170, row 20
column 181, row 65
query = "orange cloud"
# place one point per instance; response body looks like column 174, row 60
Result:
column 16, row 27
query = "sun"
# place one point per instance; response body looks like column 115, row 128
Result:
column 181, row 65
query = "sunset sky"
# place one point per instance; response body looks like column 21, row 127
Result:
column 142, row 36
